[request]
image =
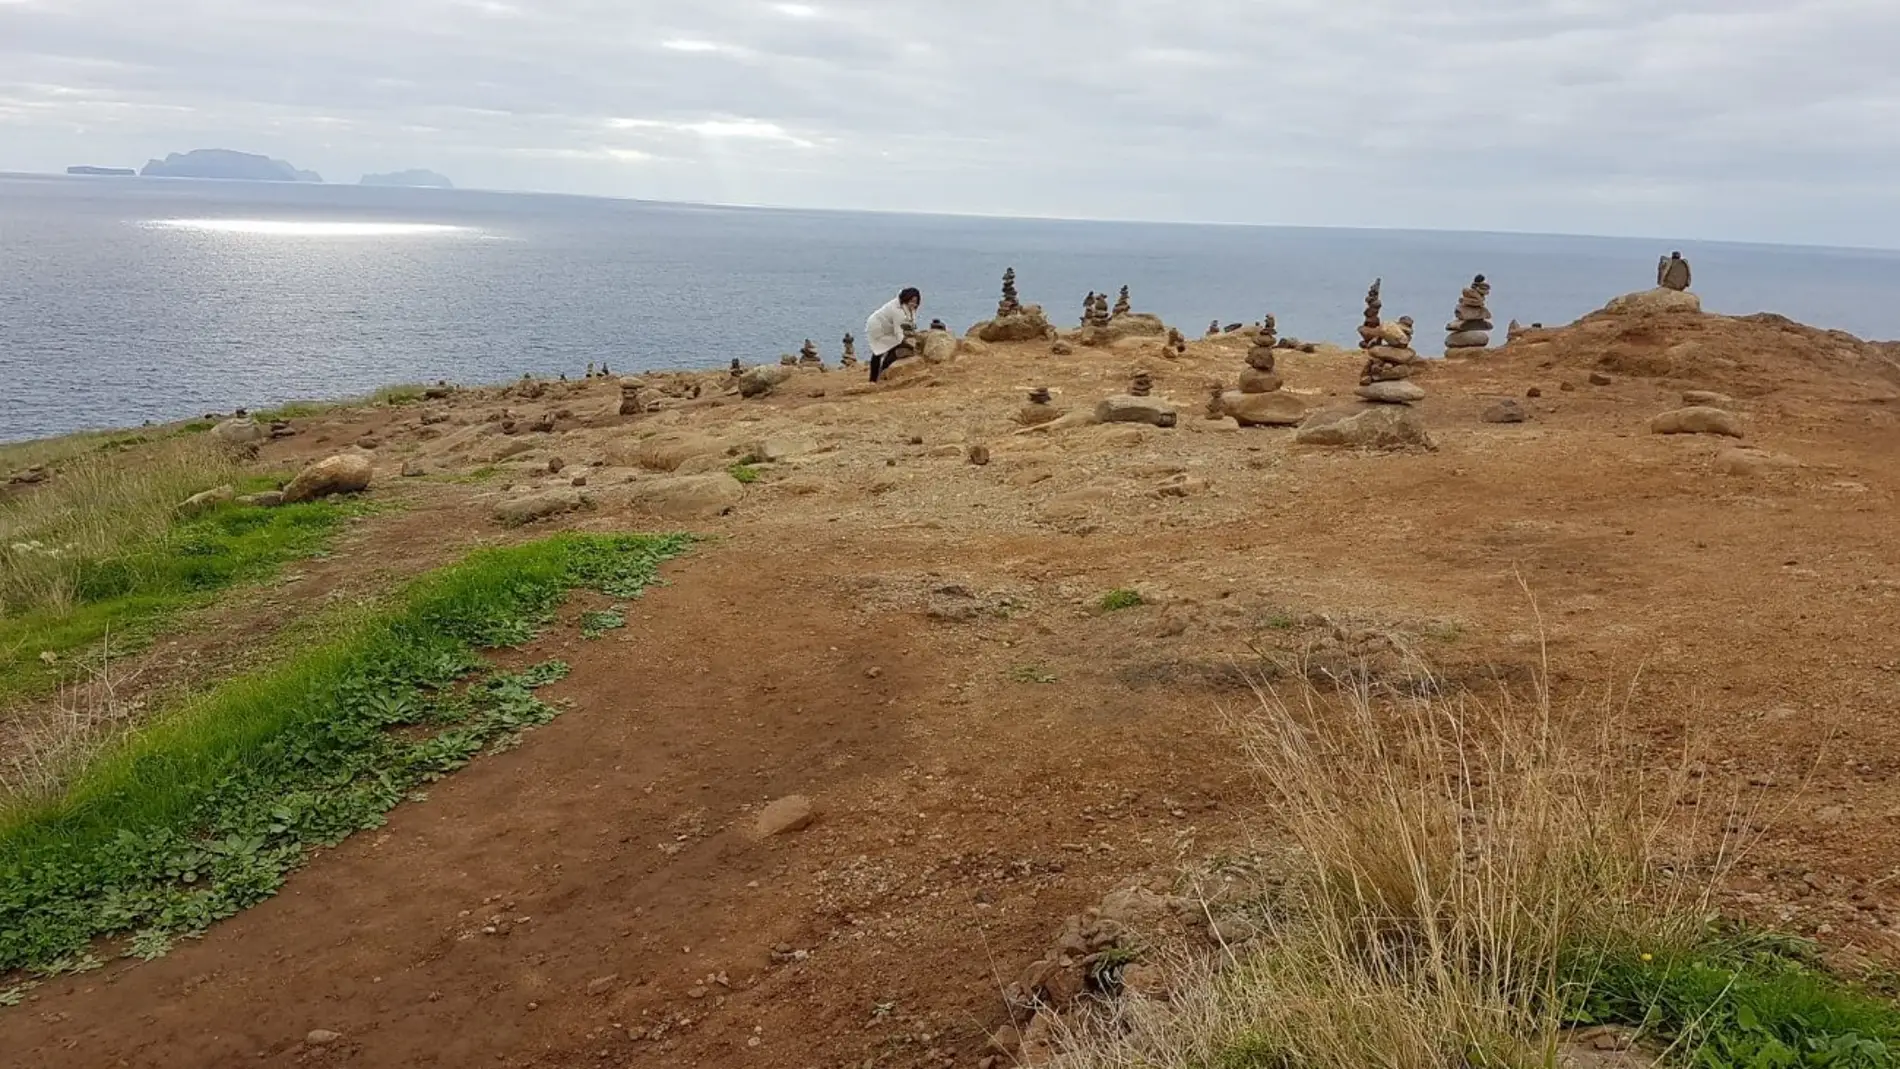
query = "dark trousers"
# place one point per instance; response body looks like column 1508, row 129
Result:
column 881, row 362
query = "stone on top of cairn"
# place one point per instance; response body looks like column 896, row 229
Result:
column 1122, row 305
column 808, row 356
column 1470, row 326
column 850, row 357
column 1390, row 359
column 938, row 324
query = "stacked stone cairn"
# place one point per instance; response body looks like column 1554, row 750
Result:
column 808, row 356
column 1391, row 361
column 1010, row 305
column 1213, row 328
column 1122, row 305
column 1039, row 410
column 1216, row 400
column 1142, row 385
column 630, row 403
column 1470, row 326
column 1098, row 313
column 938, row 324
column 737, row 368
column 850, row 357
column 1259, row 402
column 1177, row 344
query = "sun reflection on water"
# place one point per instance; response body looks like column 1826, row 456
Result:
column 310, row 228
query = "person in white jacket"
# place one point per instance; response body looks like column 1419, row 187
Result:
column 887, row 332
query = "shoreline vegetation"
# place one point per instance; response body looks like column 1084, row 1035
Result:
column 208, row 809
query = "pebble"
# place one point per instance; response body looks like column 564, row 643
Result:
column 321, row 1037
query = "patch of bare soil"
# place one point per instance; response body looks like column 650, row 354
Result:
column 916, row 643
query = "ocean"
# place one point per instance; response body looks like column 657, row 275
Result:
column 132, row 300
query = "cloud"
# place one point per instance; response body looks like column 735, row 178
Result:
column 1754, row 119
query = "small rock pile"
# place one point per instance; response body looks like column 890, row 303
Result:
column 1470, row 326
column 850, row 357
column 1039, row 410
column 1009, row 305
column 808, row 356
column 630, row 403
column 1177, row 344
column 1122, row 305
column 737, row 369
column 1391, row 361
column 1259, row 402
column 1141, row 385
column 1213, row 328
column 1096, row 314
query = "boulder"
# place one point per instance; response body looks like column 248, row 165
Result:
column 1263, row 409
column 268, row 499
column 1743, row 461
column 1398, row 392
column 208, row 500
column 1656, row 300
column 1468, row 339
column 1037, row 415
column 242, row 431
column 937, row 346
column 789, row 814
column 666, row 452
column 345, row 473
column 531, row 507
column 1505, row 411
column 687, row 497
column 762, row 380
column 1030, row 325
column 1132, row 325
column 1385, row 427
column 1698, row 419
column 1123, row 408
column 1061, row 348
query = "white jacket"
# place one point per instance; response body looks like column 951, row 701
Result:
column 884, row 331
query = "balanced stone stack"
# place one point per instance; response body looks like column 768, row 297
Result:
column 808, row 356
column 1369, row 329
column 1122, row 305
column 1177, row 344
column 1039, row 410
column 1142, row 385
column 1216, row 400
column 938, row 324
column 1098, row 314
column 737, row 368
column 850, row 357
column 1009, row 305
column 1213, row 328
column 1391, row 359
column 1259, row 376
column 630, row 403
column 1470, row 326
column 1259, row 402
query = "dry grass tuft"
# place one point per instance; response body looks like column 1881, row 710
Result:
column 97, row 506
column 1448, row 860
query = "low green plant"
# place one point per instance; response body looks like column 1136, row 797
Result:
column 1031, row 673
column 1117, row 600
column 398, row 395
column 744, row 473
column 596, row 624
column 207, row 810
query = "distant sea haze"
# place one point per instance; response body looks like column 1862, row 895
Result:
column 124, row 300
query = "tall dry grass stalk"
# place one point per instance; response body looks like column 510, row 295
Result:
column 1449, row 861
column 42, row 745
column 95, row 507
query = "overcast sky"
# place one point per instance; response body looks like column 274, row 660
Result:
column 1774, row 120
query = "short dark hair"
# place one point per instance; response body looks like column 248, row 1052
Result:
column 911, row 293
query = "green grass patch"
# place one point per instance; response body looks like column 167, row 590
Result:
column 401, row 394
column 1737, row 998
column 744, row 473
column 130, row 594
column 1117, row 600
column 209, row 809
column 474, row 475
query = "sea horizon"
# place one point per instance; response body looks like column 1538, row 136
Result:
column 129, row 299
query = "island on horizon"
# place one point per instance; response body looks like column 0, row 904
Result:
column 109, row 172
column 417, row 178
column 225, row 163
